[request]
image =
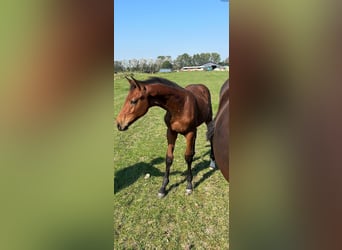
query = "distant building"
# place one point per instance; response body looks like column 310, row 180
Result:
column 205, row 67
column 165, row 70
column 192, row 68
column 210, row 66
column 222, row 68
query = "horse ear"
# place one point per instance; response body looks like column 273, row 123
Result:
column 129, row 80
column 133, row 82
column 136, row 82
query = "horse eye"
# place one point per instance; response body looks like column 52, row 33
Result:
column 133, row 102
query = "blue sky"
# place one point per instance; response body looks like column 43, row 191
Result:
column 151, row 28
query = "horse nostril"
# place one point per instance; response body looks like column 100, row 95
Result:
column 119, row 126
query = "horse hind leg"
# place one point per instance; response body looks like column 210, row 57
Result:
column 210, row 136
column 171, row 140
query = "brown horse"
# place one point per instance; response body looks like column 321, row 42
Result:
column 186, row 109
column 219, row 132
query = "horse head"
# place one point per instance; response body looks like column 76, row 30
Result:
column 136, row 105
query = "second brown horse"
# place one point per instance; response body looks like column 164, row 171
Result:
column 218, row 132
column 186, row 109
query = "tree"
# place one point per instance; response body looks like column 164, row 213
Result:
column 154, row 65
column 166, row 65
column 161, row 58
column 204, row 58
column 215, row 57
column 164, row 58
column 196, row 59
column 150, row 66
column 200, row 59
column 183, row 60
column 142, row 65
column 118, row 67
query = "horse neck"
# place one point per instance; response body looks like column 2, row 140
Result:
column 168, row 98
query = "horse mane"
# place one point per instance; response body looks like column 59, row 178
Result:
column 162, row 81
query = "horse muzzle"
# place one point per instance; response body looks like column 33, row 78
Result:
column 122, row 127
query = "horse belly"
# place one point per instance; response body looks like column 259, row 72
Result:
column 180, row 124
column 182, row 127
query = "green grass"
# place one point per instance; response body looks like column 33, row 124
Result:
column 178, row 221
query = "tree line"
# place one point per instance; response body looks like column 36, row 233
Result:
column 154, row 65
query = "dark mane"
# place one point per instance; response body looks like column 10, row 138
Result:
column 160, row 80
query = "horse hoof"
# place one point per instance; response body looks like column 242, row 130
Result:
column 188, row 191
column 212, row 164
column 161, row 195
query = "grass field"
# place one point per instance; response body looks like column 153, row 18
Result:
column 178, row 221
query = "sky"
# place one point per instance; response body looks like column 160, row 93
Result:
column 151, row 28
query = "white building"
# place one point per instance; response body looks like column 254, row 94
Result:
column 208, row 67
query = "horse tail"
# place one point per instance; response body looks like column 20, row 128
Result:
column 211, row 129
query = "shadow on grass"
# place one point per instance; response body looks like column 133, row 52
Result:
column 125, row 177
column 200, row 167
column 203, row 165
column 203, row 155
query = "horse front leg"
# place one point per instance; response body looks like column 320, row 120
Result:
column 210, row 137
column 189, row 155
column 171, row 140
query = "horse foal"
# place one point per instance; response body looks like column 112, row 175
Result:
column 186, row 109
